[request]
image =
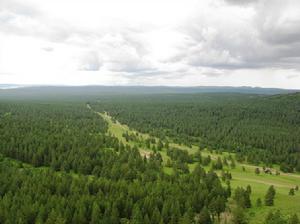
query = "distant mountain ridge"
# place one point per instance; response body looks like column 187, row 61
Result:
column 94, row 89
column 10, row 86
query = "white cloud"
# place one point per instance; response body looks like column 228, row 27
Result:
column 171, row 42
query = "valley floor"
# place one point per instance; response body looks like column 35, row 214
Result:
column 242, row 175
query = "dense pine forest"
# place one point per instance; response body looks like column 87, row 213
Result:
column 113, row 182
column 258, row 128
column 65, row 159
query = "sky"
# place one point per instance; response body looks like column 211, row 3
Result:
column 157, row 42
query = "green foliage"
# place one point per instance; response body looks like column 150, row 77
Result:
column 179, row 155
column 242, row 197
column 206, row 160
column 238, row 216
column 47, row 196
column 218, row 165
column 257, row 171
column 294, row 219
column 82, row 174
column 259, row 128
column 258, row 202
column 275, row 218
column 292, row 192
column 204, row 217
column 269, row 197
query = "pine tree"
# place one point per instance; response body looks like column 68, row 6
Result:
column 258, row 202
column 96, row 214
column 137, row 216
column 247, row 199
column 159, row 145
column 41, row 215
column 242, row 197
column 114, row 214
column 269, row 197
column 275, row 218
column 146, row 219
column 238, row 216
column 292, row 192
column 219, row 205
column 248, row 189
column 51, row 217
column 204, row 216
column 155, row 218
column 185, row 219
column 79, row 216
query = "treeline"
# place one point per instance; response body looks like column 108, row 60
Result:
column 259, row 128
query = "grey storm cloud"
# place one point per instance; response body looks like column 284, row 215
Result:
column 121, row 51
column 270, row 39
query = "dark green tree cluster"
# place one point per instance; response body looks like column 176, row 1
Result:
column 206, row 160
column 32, row 195
column 226, row 176
column 180, row 159
column 55, row 135
column 130, row 137
column 275, row 217
column 218, row 165
column 242, row 197
column 242, row 202
column 270, row 195
column 179, row 155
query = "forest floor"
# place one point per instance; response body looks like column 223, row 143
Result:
column 242, row 175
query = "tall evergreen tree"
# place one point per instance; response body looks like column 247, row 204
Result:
column 269, row 197
column 137, row 216
column 204, row 217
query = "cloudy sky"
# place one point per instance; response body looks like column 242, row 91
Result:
column 157, row 42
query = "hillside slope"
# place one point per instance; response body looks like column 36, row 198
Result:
column 261, row 128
